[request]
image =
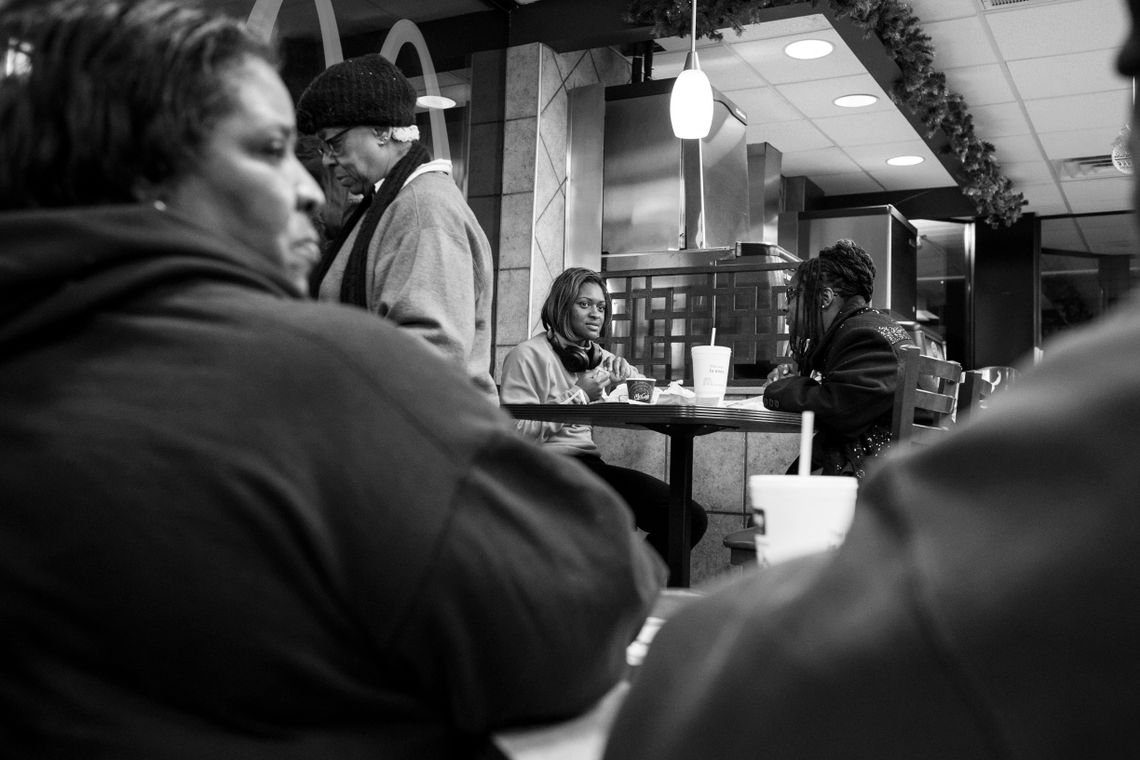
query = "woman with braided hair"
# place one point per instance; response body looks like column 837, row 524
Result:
column 412, row 251
column 847, row 354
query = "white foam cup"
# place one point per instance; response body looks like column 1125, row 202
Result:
column 796, row 515
column 710, row 373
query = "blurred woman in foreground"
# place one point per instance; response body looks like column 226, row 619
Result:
column 234, row 522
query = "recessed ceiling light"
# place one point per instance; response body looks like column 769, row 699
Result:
column 807, row 49
column 905, row 160
column 435, row 101
column 855, row 101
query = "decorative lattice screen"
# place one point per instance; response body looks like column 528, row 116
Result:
column 659, row 314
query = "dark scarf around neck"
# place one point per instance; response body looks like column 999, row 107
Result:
column 354, row 283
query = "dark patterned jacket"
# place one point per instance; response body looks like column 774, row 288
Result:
column 849, row 382
column 231, row 527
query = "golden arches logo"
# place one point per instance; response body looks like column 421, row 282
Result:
column 263, row 17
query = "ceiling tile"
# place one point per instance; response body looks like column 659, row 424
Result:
column 848, row 184
column 960, row 42
column 867, row 129
column 903, row 178
column 768, row 58
column 1043, row 199
column 1027, row 172
column 980, row 85
column 825, row 161
column 873, row 160
column 721, row 61
column 1097, row 109
column 1072, row 74
column 800, row 25
column 937, row 10
column 790, row 136
column 725, row 70
column 668, row 65
column 815, row 98
column 1017, row 148
column 999, row 120
column 764, row 105
column 875, row 156
column 1039, row 31
column 1098, row 194
column 1078, row 143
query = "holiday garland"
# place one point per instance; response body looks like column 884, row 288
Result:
column 920, row 88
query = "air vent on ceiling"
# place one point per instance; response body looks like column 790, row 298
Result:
column 1085, row 167
column 1002, row 5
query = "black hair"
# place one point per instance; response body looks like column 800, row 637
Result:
column 563, row 293
column 845, row 268
column 107, row 97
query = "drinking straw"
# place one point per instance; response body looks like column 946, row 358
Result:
column 807, row 425
column 712, row 338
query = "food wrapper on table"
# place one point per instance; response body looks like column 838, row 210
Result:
column 754, row 403
column 676, row 395
column 673, row 395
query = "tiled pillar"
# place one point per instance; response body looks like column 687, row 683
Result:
column 532, row 222
column 485, row 147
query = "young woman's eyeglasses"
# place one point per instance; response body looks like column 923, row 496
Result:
column 792, row 293
column 332, row 147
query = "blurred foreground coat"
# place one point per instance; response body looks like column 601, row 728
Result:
column 986, row 603
column 238, row 524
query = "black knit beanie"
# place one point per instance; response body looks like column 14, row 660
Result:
column 364, row 91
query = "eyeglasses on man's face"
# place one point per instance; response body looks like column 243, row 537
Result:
column 332, row 146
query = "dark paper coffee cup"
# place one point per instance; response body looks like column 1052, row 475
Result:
column 640, row 389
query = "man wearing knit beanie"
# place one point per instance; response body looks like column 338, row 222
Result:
column 412, row 251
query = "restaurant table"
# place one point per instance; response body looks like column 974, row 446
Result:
column 681, row 423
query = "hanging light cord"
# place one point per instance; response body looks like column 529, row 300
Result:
column 700, row 144
column 693, row 41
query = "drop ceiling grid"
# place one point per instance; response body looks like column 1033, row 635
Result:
column 796, row 115
column 1041, row 49
column 816, row 99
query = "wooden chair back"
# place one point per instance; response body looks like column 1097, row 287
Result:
column 925, row 401
column 925, row 398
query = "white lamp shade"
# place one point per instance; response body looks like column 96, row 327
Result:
column 691, row 105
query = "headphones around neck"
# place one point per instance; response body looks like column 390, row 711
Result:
column 577, row 358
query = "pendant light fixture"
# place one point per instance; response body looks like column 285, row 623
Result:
column 691, row 104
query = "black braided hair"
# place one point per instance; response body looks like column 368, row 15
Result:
column 848, row 269
column 845, row 268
